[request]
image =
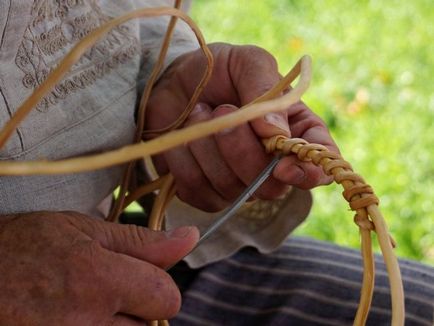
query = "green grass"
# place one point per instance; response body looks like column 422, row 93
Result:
column 372, row 84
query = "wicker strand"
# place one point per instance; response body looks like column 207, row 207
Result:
column 362, row 199
column 156, row 70
column 165, row 141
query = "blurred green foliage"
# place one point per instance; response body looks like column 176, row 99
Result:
column 372, row 84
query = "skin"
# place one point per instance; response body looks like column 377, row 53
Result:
column 210, row 173
column 64, row 268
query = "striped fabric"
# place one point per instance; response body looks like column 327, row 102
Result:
column 305, row 282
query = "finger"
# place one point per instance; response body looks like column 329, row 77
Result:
column 254, row 71
column 138, row 288
column 309, row 126
column 159, row 248
column 212, row 163
column 315, row 175
column 303, row 175
column 164, row 107
column 191, row 183
column 272, row 124
column 305, row 124
column 245, row 154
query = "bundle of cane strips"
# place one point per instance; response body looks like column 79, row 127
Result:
column 360, row 195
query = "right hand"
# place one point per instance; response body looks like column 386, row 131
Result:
column 64, row 268
column 210, row 173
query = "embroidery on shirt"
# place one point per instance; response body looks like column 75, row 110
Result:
column 259, row 214
column 55, row 27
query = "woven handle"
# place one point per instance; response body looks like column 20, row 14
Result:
column 362, row 199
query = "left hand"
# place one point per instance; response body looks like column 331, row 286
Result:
column 210, row 173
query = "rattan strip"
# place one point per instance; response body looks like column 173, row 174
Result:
column 368, row 217
column 167, row 141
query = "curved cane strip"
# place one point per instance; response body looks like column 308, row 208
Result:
column 140, row 132
column 166, row 141
column 362, row 199
column 359, row 195
column 81, row 47
column 125, row 182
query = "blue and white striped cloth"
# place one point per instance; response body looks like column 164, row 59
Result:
column 305, row 282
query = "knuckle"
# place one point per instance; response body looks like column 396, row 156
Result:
column 81, row 261
column 259, row 54
column 138, row 235
column 83, row 255
column 257, row 61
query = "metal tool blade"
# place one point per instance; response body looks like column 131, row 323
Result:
column 230, row 211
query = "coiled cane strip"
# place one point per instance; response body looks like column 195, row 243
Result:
column 360, row 196
column 368, row 217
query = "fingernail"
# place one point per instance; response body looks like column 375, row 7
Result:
column 277, row 121
column 226, row 108
column 226, row 131
column 198, row 108
column 229, row 107
column 179, row 233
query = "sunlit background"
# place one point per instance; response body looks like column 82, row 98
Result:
column 372, row 84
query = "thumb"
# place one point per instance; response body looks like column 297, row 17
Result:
column 271, row 124
column 156, row 247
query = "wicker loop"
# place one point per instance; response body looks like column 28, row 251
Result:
column 287, row 146
column 364, row 202
column 274, row 143
column 363, row 222
column 357, row 193
column 339, row 163
column 361, row 199
column 325, row 154
column 348, row 175
column 303, row 153
column 350, row 192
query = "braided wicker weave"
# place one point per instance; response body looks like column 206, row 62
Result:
column 357, row 192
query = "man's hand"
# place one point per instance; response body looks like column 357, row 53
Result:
column 68, row 269
column 211, row 172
